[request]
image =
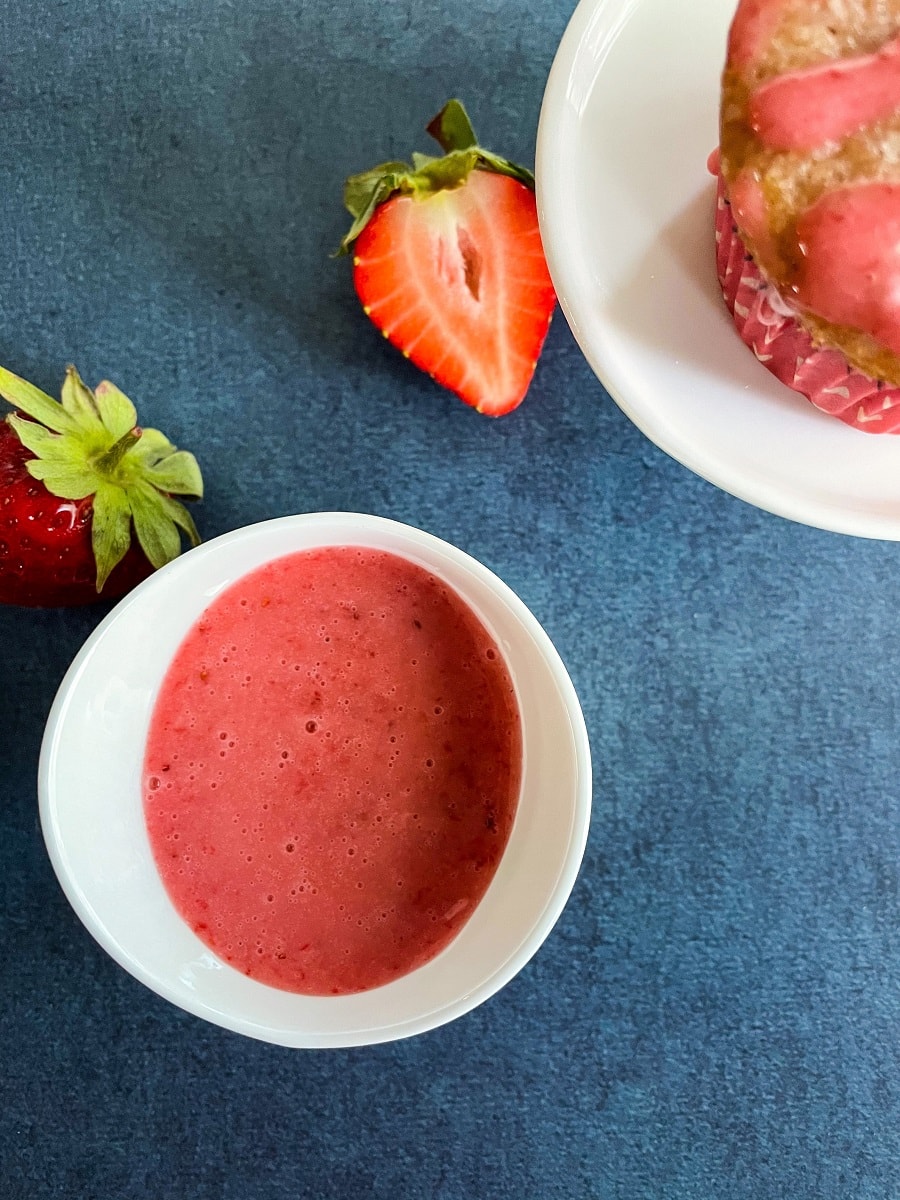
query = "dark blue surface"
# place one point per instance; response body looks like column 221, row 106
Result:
column 717, row 1013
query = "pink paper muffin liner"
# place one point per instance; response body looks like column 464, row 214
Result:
column 769, row 327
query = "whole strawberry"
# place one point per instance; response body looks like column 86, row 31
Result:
column 77, row 478
column 448, row 263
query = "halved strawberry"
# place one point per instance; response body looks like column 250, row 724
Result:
column 449, row 265
column 75, row 478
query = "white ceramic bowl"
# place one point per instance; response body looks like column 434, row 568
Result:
column 92, row 812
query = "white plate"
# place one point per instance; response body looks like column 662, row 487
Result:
column 92, row 813
column 629, row 117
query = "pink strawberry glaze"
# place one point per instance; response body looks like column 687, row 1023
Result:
column 850, row 272
column 769, row 327
column 332, row 770
column 804, row 109
column 752, row 26
column 750, row 212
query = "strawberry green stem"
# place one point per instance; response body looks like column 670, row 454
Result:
column 107, row 462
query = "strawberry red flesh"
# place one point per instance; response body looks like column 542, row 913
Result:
column 458, row 282
column 45, row 541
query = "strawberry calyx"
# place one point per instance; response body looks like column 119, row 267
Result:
column 427, row 174
column 89, row 444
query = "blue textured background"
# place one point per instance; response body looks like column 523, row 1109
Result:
column 717, row 1014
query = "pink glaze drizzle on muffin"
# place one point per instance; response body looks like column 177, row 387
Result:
column 850, row 271
column 753, row 25
column 808, row 108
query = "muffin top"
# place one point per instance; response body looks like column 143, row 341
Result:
column 810, row 157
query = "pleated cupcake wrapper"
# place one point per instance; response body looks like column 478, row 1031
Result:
column 768, row 326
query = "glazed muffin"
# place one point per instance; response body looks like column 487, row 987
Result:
column 808, row 221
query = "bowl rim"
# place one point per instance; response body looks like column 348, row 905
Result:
column 182, row 568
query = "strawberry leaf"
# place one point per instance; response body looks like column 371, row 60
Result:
column 78, row 401
column 110, row 529
column 502, row 166
column 36, row 438
column 118, row 413
column 443, row 174
column 50, row 449
column 358, row 189
column 67, row 480
column 182, row 518
column 156, row 531
column 176, row 473
column 366, row 192
column 152, row 447
column 31, row 400
column 451, row 128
